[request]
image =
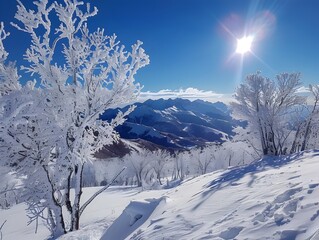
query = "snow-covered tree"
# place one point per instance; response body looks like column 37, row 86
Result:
column 158, row 159
column 267, row 105
column 203, row 158
column 314, row 89
column 51, row 131
column 180, row 165
column 139, row 164
column 306, row 133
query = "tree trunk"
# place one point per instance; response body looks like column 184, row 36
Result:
column 75, row 218
column 159, row 178
column 59, row 228
column 262, row 137
column 67, row 193
column 306, row 136
column 270, row 145
column 295, row 142
column 139, row 178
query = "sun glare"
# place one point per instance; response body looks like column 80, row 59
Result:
column 244, row 44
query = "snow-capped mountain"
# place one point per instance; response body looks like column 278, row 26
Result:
column 177, row 123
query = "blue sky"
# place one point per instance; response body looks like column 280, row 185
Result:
column 191, row 43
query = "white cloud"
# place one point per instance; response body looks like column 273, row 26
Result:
column 194, row 93
column 303, row 89
column 188, row 93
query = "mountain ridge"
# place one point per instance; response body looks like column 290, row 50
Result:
column 177, row 123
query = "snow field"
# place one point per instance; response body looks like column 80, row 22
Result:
column 273, row 198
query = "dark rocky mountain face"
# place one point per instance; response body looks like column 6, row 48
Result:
column 177, row 123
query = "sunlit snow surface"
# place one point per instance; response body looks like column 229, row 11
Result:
column 274, row 198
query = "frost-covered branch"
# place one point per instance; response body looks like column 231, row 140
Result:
column 83, row 207
column 1, row 237
column 3, row 36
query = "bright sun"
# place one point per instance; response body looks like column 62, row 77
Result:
column 244, row 44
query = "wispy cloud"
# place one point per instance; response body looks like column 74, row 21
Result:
column 188, row 93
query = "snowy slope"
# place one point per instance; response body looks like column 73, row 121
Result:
column 273, row 198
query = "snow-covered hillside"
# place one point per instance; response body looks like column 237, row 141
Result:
column 273, row 198
column 177, row 123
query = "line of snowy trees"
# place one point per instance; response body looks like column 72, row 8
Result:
column 50, row 127
column 279, row 118
column 149, row 169
column 152, row 169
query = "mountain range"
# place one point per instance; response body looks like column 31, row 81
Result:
column 176, row 123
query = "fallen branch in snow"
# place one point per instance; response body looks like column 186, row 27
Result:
column 99, row 192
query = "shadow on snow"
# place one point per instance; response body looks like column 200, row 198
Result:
column 231, row 176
